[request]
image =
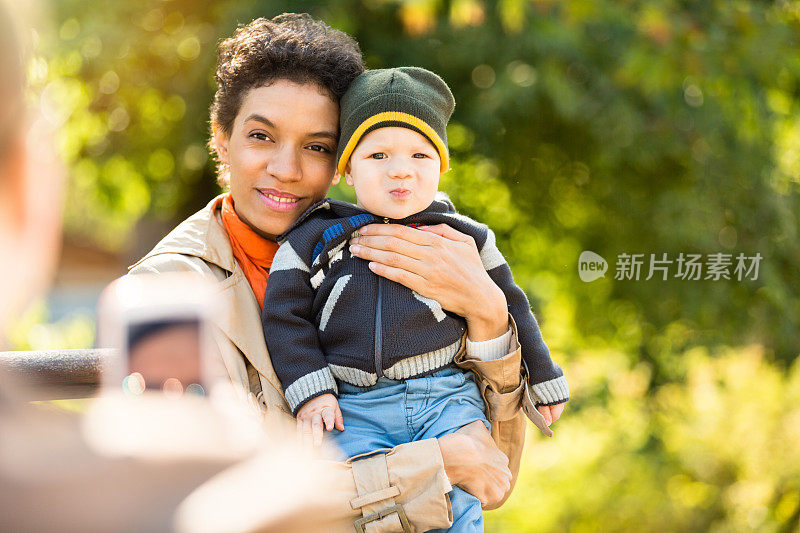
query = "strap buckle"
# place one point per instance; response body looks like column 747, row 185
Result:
column 383, row 513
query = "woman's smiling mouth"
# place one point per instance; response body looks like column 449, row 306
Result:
column 278, row 200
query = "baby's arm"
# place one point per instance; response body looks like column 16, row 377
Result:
column 317, row 410
column 548, row 386
column 290, row 332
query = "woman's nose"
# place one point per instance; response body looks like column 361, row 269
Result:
column 284, row 164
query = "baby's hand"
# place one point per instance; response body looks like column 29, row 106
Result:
column 313, row 413
column 551, row 413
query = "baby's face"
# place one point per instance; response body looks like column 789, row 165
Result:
column 395, row 172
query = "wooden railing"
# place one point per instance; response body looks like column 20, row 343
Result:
column 57, row 374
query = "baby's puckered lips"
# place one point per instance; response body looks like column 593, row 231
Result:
column 278, row 200
column 400, row 193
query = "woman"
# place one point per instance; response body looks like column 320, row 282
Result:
column 275, row 128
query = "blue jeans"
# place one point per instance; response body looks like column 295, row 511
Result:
column 395, row 412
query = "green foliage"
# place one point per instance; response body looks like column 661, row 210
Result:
column 617, row 127
column 35, row 330
column 130, row 83
column 641, row 127
column 716, row 452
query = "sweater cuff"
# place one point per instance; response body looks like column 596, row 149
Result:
column 491, row 349
column 308, row 387
column 550, row 392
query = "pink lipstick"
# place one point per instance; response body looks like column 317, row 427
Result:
column 278, row 200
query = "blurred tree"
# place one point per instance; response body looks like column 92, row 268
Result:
column 644, row 127
column 638, row 127
column 694, row 457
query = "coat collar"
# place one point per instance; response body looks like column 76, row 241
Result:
column 202, row 235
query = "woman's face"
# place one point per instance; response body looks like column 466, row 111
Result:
column 281, row 153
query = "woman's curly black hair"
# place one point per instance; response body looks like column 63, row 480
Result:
column 292, row 47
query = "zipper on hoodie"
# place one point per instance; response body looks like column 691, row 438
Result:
column 379, row 326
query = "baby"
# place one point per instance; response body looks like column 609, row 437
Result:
column 334, row 328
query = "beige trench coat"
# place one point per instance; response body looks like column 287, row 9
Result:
column 411, row 475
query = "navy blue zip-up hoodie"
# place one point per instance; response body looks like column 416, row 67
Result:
column 327, row 316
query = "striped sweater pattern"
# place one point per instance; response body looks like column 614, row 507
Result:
column 327, row 316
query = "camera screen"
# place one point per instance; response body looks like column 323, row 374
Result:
column 164, row 355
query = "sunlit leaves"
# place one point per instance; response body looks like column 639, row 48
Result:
column 617, row 127
column 718, row 453
column 117, row 79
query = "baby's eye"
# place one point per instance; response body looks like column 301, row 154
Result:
column 420, row 155
column 378, row 155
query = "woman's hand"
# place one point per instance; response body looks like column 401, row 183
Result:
column 473, row 462
column 441, row 263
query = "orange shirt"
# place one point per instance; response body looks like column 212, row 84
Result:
column 253, row 252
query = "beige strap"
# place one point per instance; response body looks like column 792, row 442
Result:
column 376, row 496
column 529, row 407
column 371, row 476
column 503, row 405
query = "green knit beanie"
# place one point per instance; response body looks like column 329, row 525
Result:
column 409, row 97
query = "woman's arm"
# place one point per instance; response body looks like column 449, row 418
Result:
column 444, row 264
column 439, row 263
column 473, row 461
column 423, row 470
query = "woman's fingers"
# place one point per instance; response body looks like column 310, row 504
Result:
column 443, row 230
column 440, row 263
column 389, row 258
column 473, row 461
column 399, row 231
column 411, row 242
column 413, row 281
column 390, row 243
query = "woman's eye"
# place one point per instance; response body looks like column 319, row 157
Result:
column 378, row 155
column 261, row 136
